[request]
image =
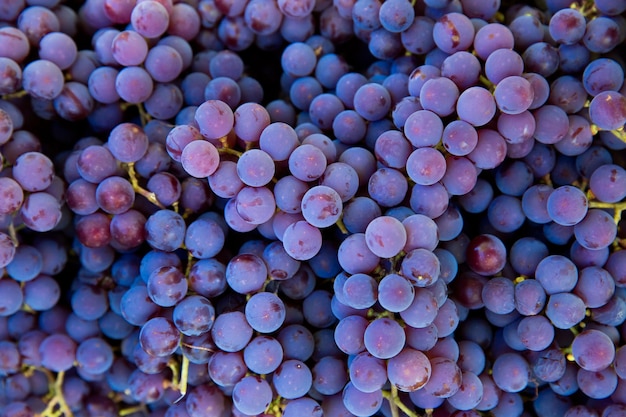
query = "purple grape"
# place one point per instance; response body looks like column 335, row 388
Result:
column 477, row 106
column 453, row 32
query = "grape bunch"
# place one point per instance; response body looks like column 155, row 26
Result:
column 306, row 208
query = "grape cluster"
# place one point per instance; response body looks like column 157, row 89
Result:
column 304, row 208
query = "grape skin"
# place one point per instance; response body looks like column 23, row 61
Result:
column 298, row 207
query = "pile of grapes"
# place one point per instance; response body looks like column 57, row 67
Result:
column 304, row 208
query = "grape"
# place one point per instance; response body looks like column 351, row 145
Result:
column 486, row 255
column 556, row 274
column 385, row 236
column 469, row 394
column 134, row 84
column 475, row 98
column 15, row 43
column 367, row 373
column 360, row 403
column 214, row 118
column 395, row 293
column 409, row 362
column 440, row 96
column 453, row 32
column 567, row 26
column 498, row 295
column 511, row 372
column 252, row 395
column 597, row 385
column 58, row 352
column 596, row 231
column 384, row 338
column 321, row 206
column 150, row 18
column 129, row 48
column 263, row 354
column 265, row 312
column 41, row 212
column 94, row 355
column 12, row 297
column 292, row 379
column 601, row 35
column 462, row 68
column 58, row 48
column 43, row 79
column 535, row 332
column 565, row 310
column 593, row 350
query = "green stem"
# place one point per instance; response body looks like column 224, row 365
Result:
column 397, row 404
column 151, row 197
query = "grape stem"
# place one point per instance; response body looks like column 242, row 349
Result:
column 179, row 376
column 56, row 405
column 17, row 94
column 485, row 81
column 151, row 197
column 132, row 410
column 230, row 151
column 617, row 208
column 342, row 227
column 396, row 404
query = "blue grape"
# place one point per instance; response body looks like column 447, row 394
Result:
column 252, row 395
column 297, row 342
column 263, row 354
column 42, row 79
column 246, row 273
column 490, row 150
column 194, row 315
column 361, row 403
column 321, row 206
column 565, row 310
column 469, row 394
column 567, row 26
column 410, row 370
column 429, row 200
column 439, row 95
column 231, row 331
column 492, row 37
column 129, row 48
column 384, row 338
column 58, row 352
column 511, row 372
column 486, row 255
column 567, row 205
column 536, row 333
column 94, row 355
column 150, row 19
column 498, row 295
column 460, row 176
column 599, row 384
column 385, row 236
column 329, row 375
column 453, row 32
column 601, row 34
column 316, row 309
column 265, row 312
column 134, row 84
column 359, row 291
column 292, row 379
column 367, row 373
column 593, row 350
column 395, row 293
column 476, row 105
column 422, row 310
